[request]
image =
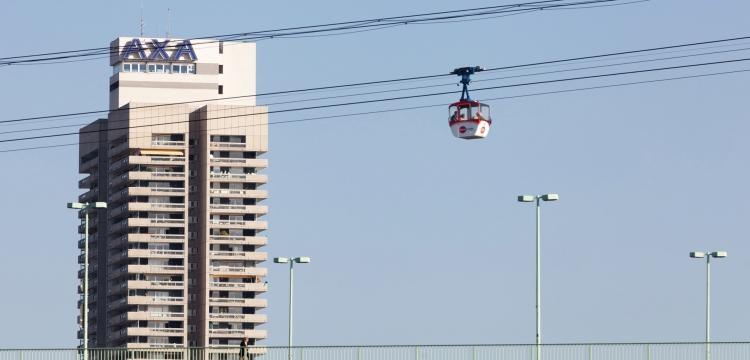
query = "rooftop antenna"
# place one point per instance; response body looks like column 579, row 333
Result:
column 141, row 18
column 169, row 12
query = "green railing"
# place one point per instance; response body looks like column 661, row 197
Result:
column 634, row 351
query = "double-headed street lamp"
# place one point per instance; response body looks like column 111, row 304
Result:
column 85, row 207
column 708, row 255
column 291, row 261
column 538, row 199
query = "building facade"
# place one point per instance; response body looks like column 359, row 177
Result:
column 175, row 259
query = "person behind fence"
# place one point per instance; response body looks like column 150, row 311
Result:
column 243, row 349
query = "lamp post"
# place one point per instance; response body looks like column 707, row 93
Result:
column 538, row 199
column 708, row 255
column 85, row 207
column 291, row 261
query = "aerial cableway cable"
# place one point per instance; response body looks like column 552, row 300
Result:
column 381, row 100
column 330, row 28
column 380, row 82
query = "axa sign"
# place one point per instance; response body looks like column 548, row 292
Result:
column 158, row 50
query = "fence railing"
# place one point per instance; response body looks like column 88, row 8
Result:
column 635, row 351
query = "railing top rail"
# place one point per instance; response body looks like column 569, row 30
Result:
column 390, row 346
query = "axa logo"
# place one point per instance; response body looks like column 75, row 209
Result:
column 158, row 50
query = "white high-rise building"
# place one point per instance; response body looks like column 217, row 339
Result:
column 174, row 259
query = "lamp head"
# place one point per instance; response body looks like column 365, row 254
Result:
column 100, row 205
column 75, row 205
column 302, row 260
column 719, row 254
column 526, row 198
column 550, row 197
column 697, row 254
column 281, row 260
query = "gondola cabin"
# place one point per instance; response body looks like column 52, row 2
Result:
column 469, row 119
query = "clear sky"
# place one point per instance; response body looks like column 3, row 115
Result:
column 415, row 236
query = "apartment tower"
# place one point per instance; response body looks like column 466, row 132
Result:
column 175, row 258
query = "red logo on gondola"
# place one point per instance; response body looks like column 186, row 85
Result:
column 462, row 129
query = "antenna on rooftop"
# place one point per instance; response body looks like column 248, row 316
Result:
column 169, row 12
column 141, row 18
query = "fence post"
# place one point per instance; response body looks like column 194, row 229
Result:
column 473, row 353
column 416, row 353
column 591, row 352
column 648, row 351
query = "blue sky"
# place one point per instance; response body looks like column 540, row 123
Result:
column 415, row 236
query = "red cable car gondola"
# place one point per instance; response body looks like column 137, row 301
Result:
column 469, row 119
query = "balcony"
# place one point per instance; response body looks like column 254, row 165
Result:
column 89, row 196
column 122, row 225
column 239, row 255
column 146, row 175
column 249, row 178
column 238, row 209
column 147, row 160
column 114, row 151
column 154, row 316
column 156, row 206
column 148, row 300
column 155, row 285
column 146, row 253
column 146, row 191
column 146, row 331
column 237, row 286
column 87, row 166
column 230, row 271
column 248, row 318
column 168, row 143
column 238, row 240
column 256, row 303
column 237, row 333
column 142, row 206
column 88, row 181
column 239, row 224
column 156, row 269
column 235, row 193
column 156, row 253
column 255, row 163
column 226, row 145
column 154, row 238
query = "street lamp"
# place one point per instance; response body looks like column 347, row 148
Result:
column 291, row 261
column 538, row 198
column 708, row 255
column 85, row 207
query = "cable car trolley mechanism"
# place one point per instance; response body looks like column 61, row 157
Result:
column 469, row 119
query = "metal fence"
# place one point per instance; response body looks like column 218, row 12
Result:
column 636, row 351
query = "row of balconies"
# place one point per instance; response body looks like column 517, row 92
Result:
column 239, row 255
column 239, row 224
column 148, row 238
column 146, row 300
column 238, row 209
column 238, row 240
column 256, row 163
column 145, row 175
column 145, row 191
column 218, row 271
column 246, row 318
column 145, row 285
column 234, row 193
column 256, row 303
column 237, row 286
column 147, row 160
column 146, row 253
column 229, row 177
column 146, row 269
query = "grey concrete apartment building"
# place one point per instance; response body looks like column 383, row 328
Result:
column 176, row 258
